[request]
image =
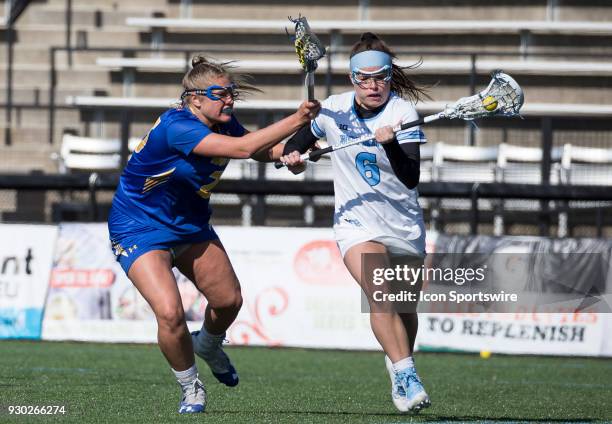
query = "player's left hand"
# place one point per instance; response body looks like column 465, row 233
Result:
column 384, row 135
column 294, row 163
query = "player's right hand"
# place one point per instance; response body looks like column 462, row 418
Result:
column 294, row 163
column 308, row 111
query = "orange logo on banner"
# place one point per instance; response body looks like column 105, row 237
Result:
column 82, row 278
column 319, row 262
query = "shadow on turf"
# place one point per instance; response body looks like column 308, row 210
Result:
column 420, row 417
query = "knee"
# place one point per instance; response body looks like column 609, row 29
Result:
column 171, row 317
column 232, row 301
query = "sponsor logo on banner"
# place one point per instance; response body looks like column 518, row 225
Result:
column 61, row 278
column 319, row 262
column 296, row 292
column 83, row 276
column 25, row 261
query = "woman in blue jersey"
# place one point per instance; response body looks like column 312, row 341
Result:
column 160, row 217
column 377, row 210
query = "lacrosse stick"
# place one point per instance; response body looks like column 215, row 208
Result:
column 309, row 49
column 502, row 97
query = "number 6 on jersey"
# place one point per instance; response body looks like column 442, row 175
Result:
column 365, row 163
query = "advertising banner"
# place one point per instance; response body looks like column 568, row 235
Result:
column 296, row 293
column 90, row 298
column 541, row 334
column 26, row 252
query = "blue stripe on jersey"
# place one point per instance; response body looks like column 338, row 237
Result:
column 316, row 130
column 411, row 135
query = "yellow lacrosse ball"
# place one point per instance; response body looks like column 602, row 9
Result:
column 485, row 354
column 489, row 103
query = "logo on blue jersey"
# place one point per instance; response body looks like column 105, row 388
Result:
column 156, row 180
column 121, row 251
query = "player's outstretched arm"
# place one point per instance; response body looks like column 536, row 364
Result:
column 269, row 155
column 217, row 145
column 302, row 140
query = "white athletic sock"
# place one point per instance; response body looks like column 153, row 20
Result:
column 403, row 364
column 185, row 378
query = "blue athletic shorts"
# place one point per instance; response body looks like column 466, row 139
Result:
column 130, row 239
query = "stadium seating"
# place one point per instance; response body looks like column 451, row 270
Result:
column 87, row 154
column 585, row 166
column 136, row 71
column 522, row 165
column 529, row 109
column 94, row 88
column 452, row 163
column 525, row 30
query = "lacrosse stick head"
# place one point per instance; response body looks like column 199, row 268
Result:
column 502, row 97
column 308, row 47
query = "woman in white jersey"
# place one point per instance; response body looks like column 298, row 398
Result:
column 376, row 204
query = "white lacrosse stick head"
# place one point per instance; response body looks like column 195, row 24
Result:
column 502, row 97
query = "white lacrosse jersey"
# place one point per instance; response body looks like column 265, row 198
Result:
column 371, row 203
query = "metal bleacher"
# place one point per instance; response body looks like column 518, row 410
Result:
column 119, row 66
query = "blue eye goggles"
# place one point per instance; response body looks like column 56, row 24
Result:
column 380, row 76
column 214, row 92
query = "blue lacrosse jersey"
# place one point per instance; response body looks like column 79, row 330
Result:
column 165, row 185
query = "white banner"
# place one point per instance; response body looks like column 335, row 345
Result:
column 529, row 333
column 26, row 253
column 295, row 287
column 89, row 295
column 296, row 292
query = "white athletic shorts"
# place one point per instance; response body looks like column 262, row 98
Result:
column 347, row 238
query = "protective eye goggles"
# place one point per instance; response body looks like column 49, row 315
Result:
column 380, row 76
column 214, row 92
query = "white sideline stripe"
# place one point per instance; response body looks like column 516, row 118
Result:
column 440, row 26
column 540, row 109
column 534, row 67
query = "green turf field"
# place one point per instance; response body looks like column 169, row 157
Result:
column 132, row 383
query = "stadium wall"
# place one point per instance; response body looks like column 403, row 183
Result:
column 296, row 293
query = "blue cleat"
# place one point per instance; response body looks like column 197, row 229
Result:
column 212, row 353
column 407, row 391
column 194, row 398
column 415, row 392
column 398, row 394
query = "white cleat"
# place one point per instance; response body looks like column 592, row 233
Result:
column 193, row 399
